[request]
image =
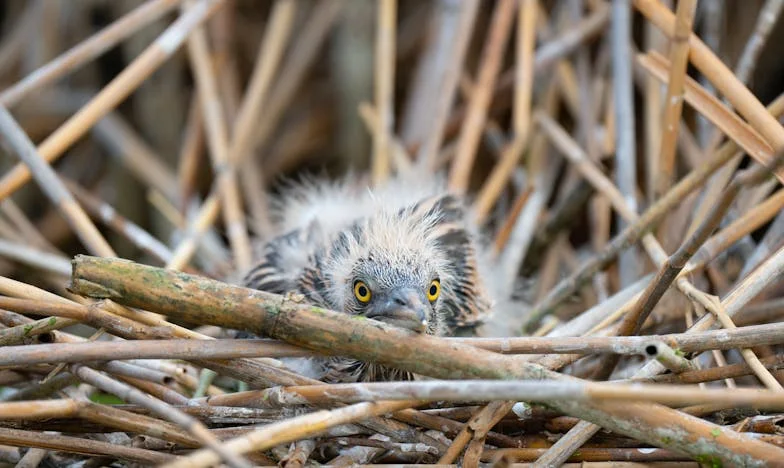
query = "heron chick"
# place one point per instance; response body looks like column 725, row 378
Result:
column 404, row 254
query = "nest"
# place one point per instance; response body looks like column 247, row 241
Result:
column 646, row 234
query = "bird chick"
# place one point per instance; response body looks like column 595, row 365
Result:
column 403, row 254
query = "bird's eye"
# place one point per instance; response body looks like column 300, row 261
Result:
column 434, row 290
column 362, row 292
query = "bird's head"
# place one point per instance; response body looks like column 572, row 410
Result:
column 389, row 268
column 397, row 288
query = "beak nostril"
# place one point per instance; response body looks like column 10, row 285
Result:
column 400, row 301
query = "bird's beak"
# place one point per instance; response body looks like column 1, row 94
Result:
column 404, row 308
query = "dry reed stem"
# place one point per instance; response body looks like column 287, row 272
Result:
column 588, row 102
column 505, row 231
column 734, row 301
column 427, row 155
column 131, row 394
column 575, row 154
column 94, row 316
column 667, row 356
column 384, row 77
column 32, row 458
column 767, row 246
column 287, row 431
column 710, row 107
column 488, row 417
column 601, row 456
column 502, row 391
column 521, row 111
column 632, row 234
column 83, row 446
column 124, row 143
column 268, row 59
column 653, row 107
column 721, row 361
column 742, row 226
column 714, row 305
column 52, row 186
column 767, row 18
column 476, row 116
column 127, row 421
column 100, row 414
column 19, row 252
column 719, row 75
column 113, row 93
column 715, row 373
column 224, row 59
column 218, row 141
column 125, row 369
column 400, row 157
column 419, row 109
column 190, row 153
column 254, row 372
column 87, row 50
column 299, row 453
column 562, row 45
column 25, row 227
column 18, row 334
column 625, row 137
column 567, row 445
column 679, row 60
column 11, row 47
column 290, row 77
column 156, row 347
column 201, row 223
column 667, row 273
column 541, row 176
column 321, row 329
column 467, row 431
column 147, row 349
column 674, row 265
column 109, row 216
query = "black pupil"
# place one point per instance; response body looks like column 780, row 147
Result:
column 433, row 290
column 362, row 291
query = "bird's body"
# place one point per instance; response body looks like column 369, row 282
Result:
column 403, row 253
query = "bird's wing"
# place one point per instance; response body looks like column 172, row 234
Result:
column 313, row 284
column 281, row 260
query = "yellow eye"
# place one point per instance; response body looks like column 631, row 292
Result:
column 362, row 292
column 434, row 290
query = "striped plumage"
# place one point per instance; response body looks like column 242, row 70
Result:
column 397, row 239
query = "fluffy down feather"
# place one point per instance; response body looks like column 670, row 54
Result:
column 403, row 234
